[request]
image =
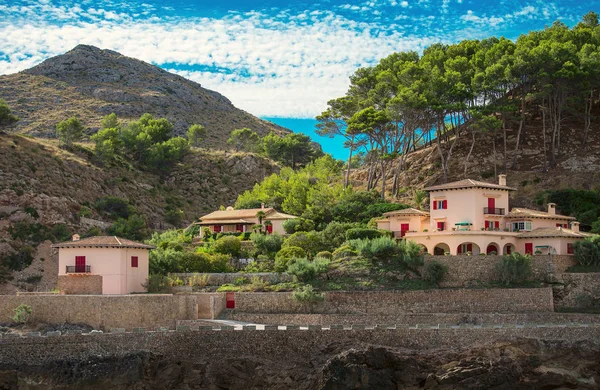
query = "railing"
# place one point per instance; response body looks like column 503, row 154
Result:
column 79, row 269
column 399, row 234
column 493, row 211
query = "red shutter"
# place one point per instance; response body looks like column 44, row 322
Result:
column 217, row 228
column 440, row 225
column 444, row 204
column 559, row 225
column 239, row 228
column 134, row 261
column 497, row 224
column 469, row 247
column 508, row 250
column 529, row 248
column 566, row 226
column 435, row 204
column 570, row 249
column 487, row 224
column 269, row 229
column 79, row 263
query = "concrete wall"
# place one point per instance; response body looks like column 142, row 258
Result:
column 390, row 303
column 464, row 271
column 119, row 311
column 80, row 284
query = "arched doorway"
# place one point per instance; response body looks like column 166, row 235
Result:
column 423, row 249
column 468, row 248
column 492, row 249
column 441, row 249
column 508, row 249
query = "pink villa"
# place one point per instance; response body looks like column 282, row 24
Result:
column 473, row 217
column 240, row 221
column 102, row 265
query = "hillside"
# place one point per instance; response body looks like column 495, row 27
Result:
column 90, row 83
column 55, row 185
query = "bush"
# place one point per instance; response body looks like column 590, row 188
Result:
column 157, row 284
column 19, row 260
column 261, row 264
column 173, row 216
column 514, row 269
column 435, row 272
column 306, row 294
column 334, row 234
column 382, row 248
column 412, row 254
column 310, row 242
column 285, row 255
column 587, row 252
column 344, row 251
column 267, row 245
column 114, row 207
column 61, row 232
column 134, row 228
column 22, row 313
column 361, row 233
column 305, row 270
column 228, row 245
column 294, row 225
column 325, row 255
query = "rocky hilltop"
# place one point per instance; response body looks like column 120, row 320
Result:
column 89, row 83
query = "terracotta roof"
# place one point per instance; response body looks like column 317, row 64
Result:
column 409, row 211
column 553, row 232
column 518, row 212
column 104, row 242
column 270, row 213
column 469, row 183
column 223, row 221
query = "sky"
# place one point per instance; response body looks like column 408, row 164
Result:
column 275, row 59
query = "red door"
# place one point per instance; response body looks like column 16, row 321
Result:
column 269, row 229
column 403, row 229
column 491, row 205
column 79, row 263
column 529, row 248
column 230, row 300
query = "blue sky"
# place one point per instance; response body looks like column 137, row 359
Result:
column 274, row 59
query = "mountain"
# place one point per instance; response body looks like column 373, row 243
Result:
column 90, row 83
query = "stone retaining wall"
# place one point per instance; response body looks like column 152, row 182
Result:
column 578, row 290
column 218, row 279
column 80, row 284
column 464, row 271
column 401, row 302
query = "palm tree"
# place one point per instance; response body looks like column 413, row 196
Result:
column 260, row 215
column 419, row 197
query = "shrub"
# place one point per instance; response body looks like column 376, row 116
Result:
column 412, row 253
column 305, row 270
column 261, row 264
column 267, row 244
column 285, row 255
column 157, row 284
column 32, row 211
column 114, row 207
column 61, row 232
column 435, row 272
column 310, row 242
column 334, row 234
column 514, row 269
column 19, row 260
column 22, row 313
column 173, row 216
column 344, row 251
column 361, row 233
column 91, row 232
column 134, row 228
column 325, row 255
column 241, row 281
column 378, row 248
column 587, row 252
column 5, row 274
column 294, row 225
column 228, row 245
column 307, row 294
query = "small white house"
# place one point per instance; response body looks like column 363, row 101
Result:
column 119, row 264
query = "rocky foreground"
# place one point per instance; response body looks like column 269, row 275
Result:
column 522, row 364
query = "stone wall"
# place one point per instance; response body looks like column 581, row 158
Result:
column 397, row 302
column 289, row 346
column 576, row 290
column 464, row 271
column 115, row 311
column 218, row 279
column 80, row 284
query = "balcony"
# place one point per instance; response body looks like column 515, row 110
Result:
column 493, row 211
column 79, row 269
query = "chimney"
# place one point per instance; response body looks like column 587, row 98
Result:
column 76, row 237
column 262, row 205
column 552, row 208
column 575, row 226
column 502, row 180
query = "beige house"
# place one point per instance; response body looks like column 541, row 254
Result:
column 240, row 221
column 470, row 216
column 102, row 265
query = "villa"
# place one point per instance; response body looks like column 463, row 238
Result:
column 241, row 221
column 472, row 217
column 102, row 265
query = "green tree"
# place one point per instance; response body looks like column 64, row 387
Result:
column 69, row 131
column 110, row 122
column 196, row 134
column 134, row 228
column 244, row 140
column 6, row 118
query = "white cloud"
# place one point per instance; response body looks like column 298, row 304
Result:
column 404, row 4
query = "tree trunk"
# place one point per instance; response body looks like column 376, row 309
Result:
column 470, row 152
column 545, row 167
column 588, row 115
column 383, row 179
column 494, row 153
column 514, row 163
column 347, row 179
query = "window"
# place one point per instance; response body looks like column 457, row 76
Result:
column 239, row 228
column 134, row 261
column 521, row 225
column 570, row 249
column 217, row 228
column 440, row 204
column 464, row 248
column 563, row 225
column 441, row 226
column 492, row 225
